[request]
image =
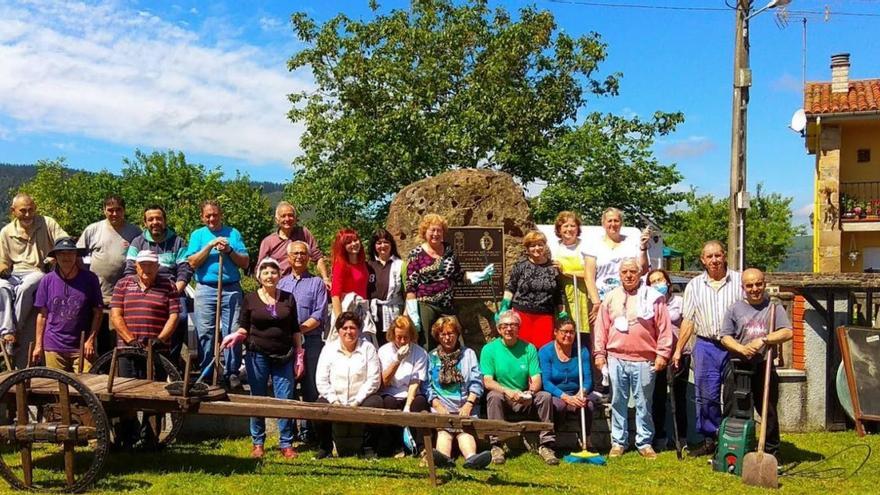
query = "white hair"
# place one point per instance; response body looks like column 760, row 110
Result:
column 510, row 315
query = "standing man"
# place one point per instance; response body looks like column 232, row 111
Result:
column 748, row 333
column 310, row 295
column 108, row 241
column 706, row 300
column 25, row 243
column 143, row 310
column 208, row 247
column 70, row 305
column 276, row 245
column 512, row 377
column 170, row 249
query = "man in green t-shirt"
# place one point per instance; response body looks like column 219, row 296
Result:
column 512, row 378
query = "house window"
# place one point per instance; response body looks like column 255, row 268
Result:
column 863, row 155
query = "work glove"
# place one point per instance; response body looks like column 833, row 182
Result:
column 233, row 339
column 402, row 352
column 412, row 310
column 300, row 367
column 505, row 306
column 482, row 275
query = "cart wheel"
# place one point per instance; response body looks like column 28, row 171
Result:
column 29, row 449
column 170, row 424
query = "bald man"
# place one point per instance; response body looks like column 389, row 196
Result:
column 24, row 244
column 748, row 333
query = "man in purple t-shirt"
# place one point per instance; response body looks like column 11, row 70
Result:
column 70, row 305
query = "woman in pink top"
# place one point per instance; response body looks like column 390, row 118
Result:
column 349, row 268
column 634, row 338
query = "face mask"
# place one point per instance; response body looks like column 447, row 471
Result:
column 661, row 288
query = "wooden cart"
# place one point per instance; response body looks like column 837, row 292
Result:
column 60, row 423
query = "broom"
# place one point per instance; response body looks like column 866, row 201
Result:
column 584, row 456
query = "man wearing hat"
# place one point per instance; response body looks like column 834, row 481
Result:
column 24, row 244
column 144, row 310
column 70, row 305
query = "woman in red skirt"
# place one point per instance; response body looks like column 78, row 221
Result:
column 533, row 291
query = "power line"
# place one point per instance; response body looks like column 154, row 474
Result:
column 614, row 5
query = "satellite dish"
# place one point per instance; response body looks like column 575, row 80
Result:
column 799, row 121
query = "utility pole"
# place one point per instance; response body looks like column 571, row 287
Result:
column 742, row 80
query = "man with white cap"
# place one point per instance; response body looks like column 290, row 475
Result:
column 144, row 309
column 70, row 306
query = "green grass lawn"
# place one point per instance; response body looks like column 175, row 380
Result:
column 224, row 467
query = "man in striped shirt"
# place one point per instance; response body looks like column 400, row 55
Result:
column 144, row 309
column 706, row 300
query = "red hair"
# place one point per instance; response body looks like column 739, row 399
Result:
column 343, row 237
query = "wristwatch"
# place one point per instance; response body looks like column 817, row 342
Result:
column 471, row 402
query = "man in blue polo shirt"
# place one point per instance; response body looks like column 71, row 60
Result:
column 208, row 246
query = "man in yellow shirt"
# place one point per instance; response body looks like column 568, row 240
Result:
column 24, row 244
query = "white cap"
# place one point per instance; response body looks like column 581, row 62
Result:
column 147, row 255
column 268, row 261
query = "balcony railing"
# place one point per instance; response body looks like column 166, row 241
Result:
column 860, row 201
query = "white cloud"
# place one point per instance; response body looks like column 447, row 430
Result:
column 692, row 147
column 270, row 23
column 129, row 77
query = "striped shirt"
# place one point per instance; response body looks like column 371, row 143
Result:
column 705, row 305
column 145, row 311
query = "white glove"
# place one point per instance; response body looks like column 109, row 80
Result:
column 482, row 275
column 606, row 378
column 402, row 352
column 406, row 408
column 412, row 310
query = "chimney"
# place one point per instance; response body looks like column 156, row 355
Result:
column 840, row 73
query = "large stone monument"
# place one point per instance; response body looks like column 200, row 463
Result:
column 467, row 198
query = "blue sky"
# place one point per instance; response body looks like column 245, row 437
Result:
column 93, row 81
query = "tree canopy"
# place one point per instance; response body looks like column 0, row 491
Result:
column 769, row 229
column 412, row 93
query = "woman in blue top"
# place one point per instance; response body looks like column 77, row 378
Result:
column 559, row 374
column 454, row 386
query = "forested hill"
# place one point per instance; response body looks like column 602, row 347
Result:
column 12, row 176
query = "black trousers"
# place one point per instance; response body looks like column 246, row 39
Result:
column 392, row 436
column 132, row 432
column 324, row 429
column 772, row 443
column 661, row 394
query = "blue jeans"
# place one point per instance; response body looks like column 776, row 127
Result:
column 204, row 315
column 636, row 379
column 259, row 369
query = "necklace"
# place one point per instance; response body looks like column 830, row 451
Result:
column 270, row 306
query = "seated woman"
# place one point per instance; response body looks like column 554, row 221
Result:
column 268, row 327
column 559, row 375
column 348, row 374
column 454, row 386
column 404, row 369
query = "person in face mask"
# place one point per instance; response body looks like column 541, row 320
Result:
column 659, row 280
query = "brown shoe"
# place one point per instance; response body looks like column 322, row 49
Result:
column 288, row 453
column 257, row 452
column 648, row 452
column 616, row 451
column 497, row 454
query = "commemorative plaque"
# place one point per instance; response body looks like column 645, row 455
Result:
column 476, row 247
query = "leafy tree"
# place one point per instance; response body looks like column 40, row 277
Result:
column 75, row 199
column 416, row 92
column 769, row 233
column 607, row 161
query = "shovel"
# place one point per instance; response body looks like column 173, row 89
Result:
column 759, row 468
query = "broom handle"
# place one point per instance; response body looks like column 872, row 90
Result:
column 217, row 309
column 577, row 332
column 763, row 436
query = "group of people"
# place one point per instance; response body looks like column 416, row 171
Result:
column 377, row 330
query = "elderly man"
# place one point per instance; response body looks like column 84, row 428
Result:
column 634, row 337
column 512, row 377
column 276, row 245
column 170, row 248
column 748, row 332
column 108, row 241
column 310, row 295
column 143, row 311
column 210, row 246
column 24, row 244
column 70, row 306
column 706, row 299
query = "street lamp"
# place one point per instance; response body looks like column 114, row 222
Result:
column 742, row 80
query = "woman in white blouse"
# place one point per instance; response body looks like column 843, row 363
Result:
column 348, row 374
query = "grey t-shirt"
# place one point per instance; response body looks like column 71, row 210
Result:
column 108, row 250
column 745, row 322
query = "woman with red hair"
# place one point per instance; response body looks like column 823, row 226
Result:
column 349, row 268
